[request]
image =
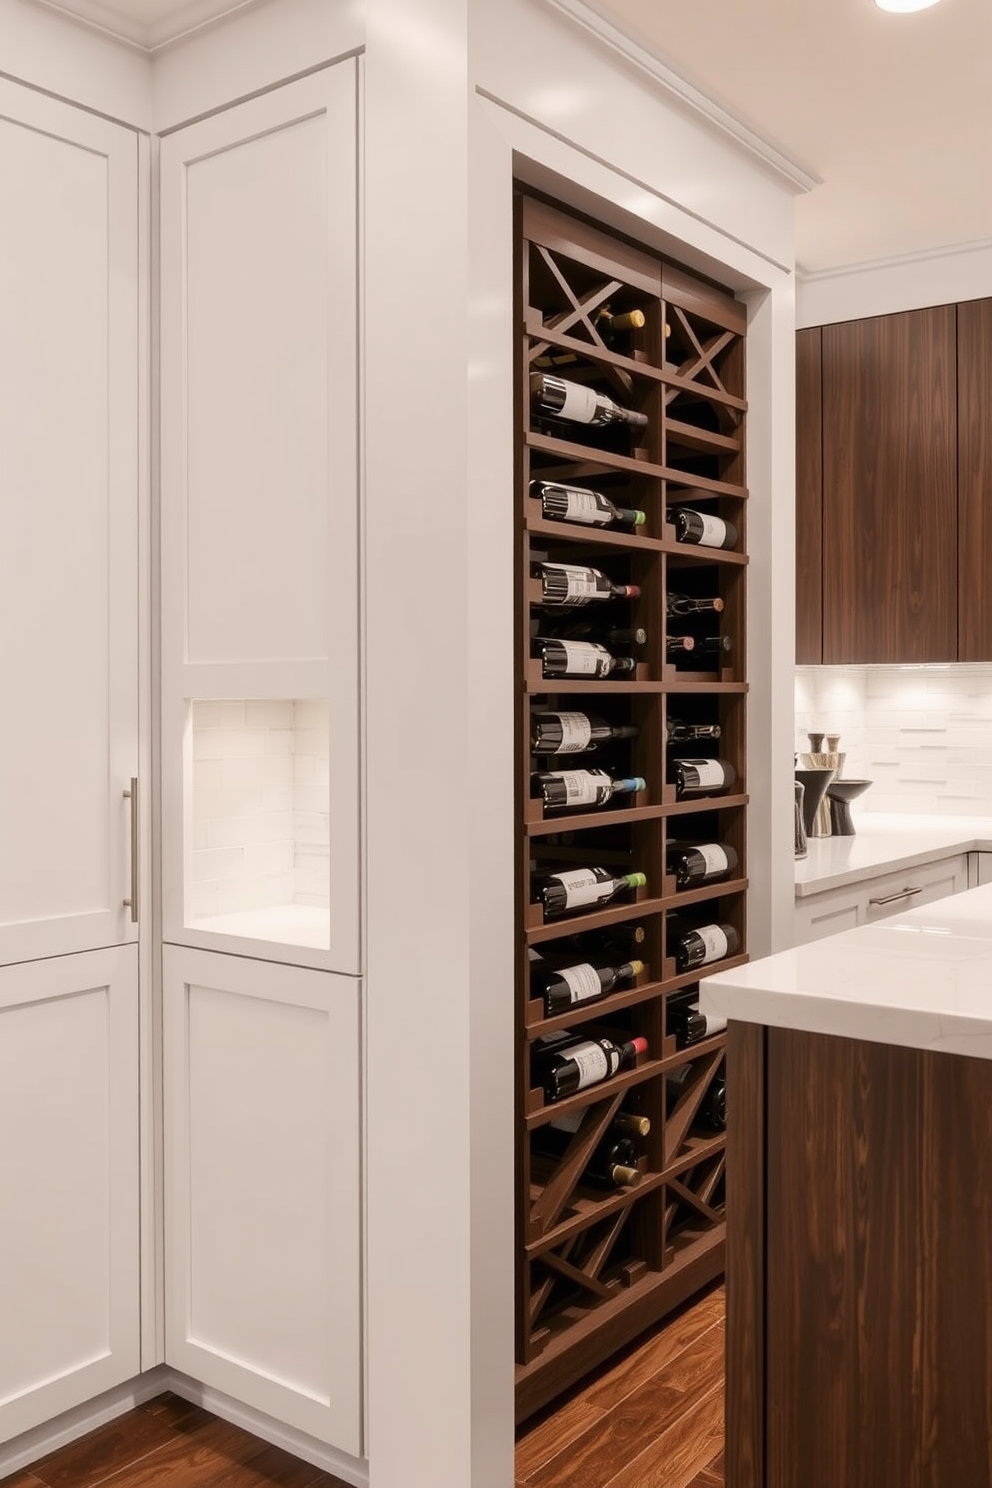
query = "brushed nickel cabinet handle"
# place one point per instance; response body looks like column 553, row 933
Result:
column 903, row 894
column 132, row 796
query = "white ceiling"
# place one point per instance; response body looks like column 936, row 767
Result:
column 148, row 23
column 893, row 112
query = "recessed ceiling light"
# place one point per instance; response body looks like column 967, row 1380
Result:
column 903, row 6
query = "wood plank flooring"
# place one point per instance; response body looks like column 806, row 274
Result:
column 652, row 1418
column 169, row 1441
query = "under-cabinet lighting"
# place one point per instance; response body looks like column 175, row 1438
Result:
column 901, row 7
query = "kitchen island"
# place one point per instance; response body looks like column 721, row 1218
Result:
column 859, row 1241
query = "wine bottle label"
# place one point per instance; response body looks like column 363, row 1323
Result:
column 576, row 732
column 592, row 1062
column 583, row 787
column 714, row 531
column 714, row 857
column 710, row 773
column 582, row 886
column 570, row 1122
column 583, row 506
column 580, row 403
column 583, row 658
column 582, row 981
column 714, row 941
column 580, row 583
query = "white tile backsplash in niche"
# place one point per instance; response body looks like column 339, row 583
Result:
column 922, row 734
column 260, row 820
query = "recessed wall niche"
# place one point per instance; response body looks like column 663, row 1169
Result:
column 257, row 820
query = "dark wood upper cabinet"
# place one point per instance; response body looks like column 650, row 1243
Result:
column 890, row 543
column 974, row 480
column 809, row 499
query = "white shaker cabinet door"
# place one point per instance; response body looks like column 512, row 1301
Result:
column 263, row 1275
column 69, row 1296
column 260, row 545
column 68, row 549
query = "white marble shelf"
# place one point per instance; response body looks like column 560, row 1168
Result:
column 920, row 980
column 887, row 844
column 283, row 924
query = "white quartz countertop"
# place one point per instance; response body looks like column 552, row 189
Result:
column 887, row 844
column 920, row 980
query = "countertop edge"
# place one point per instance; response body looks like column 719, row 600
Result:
column 913, row 858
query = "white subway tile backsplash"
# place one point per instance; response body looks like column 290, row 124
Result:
column 922, row 734
column 260, row 782
column 278, row 714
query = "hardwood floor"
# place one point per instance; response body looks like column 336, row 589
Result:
column 169, row 1441
column 653, row 1418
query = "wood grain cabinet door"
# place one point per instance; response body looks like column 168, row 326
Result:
column 890, row 488
column 809, row 499
column 974, row 480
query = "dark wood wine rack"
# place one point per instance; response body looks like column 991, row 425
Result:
column 597, row 1267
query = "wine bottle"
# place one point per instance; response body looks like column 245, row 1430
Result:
column 624, row 1123
column 573, row 584
column 677, row 648
column 573, row 403
column 566, row 1064
column 582, row 888
column 561, row 503
column 711, row 1113
column 574, row 733
column 612, row 636
column 578, row 659
column 695, row 864
column 613, row 1163
column 616, row 330
column 713, row 649
column 678, row 731
column 689, row 1025
column 699, row 527
column 704, row 944
column 578, row 790
column 700, row 777
column 688, row 604
column 563, row 989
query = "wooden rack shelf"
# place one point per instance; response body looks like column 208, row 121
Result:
column 596, row 1265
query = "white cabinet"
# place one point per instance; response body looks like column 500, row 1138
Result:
column 68, row 551
column 263, row 1294
column 980, row 868
column 260, row 553
column 69, row 1325
column 873, row 899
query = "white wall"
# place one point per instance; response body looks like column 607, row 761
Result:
column 911, row 283
column 923, row 734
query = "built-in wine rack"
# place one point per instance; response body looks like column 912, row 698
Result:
column 597, row 1265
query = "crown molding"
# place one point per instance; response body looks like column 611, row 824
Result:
column 893, row 261
column 147, row 38
column 671, row 82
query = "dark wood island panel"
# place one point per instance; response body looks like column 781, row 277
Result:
column 859, row 1286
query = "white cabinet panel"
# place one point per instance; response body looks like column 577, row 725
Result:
column 260, row 540
column 874, row 899
column 259, row 372
column 68, row 555
column 69, row 1304
column 263, row 1280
